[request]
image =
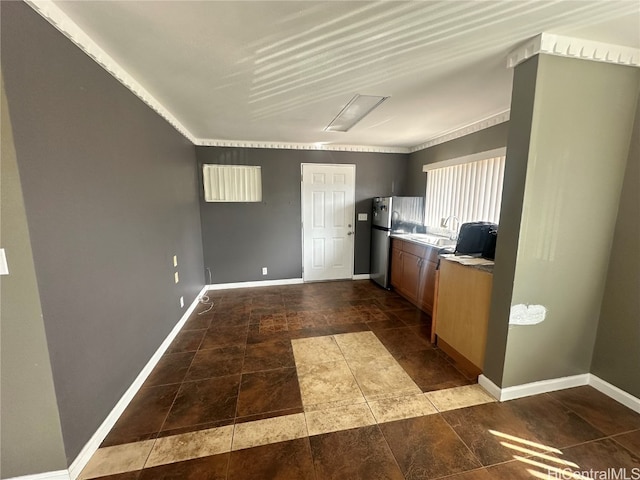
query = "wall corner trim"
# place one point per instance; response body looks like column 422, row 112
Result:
column 61, row 21
column 571, row 47
column 94, row 442
column 493, row 390
column 57, row 475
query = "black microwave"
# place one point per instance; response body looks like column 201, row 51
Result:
column 477, row 238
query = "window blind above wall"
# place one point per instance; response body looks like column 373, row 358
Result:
column 470, row 191
column 232, row 183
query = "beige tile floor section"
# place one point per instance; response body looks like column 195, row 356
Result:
column 459, row 397
column 269, row 430
column 117, row 459
column 201, row 443
column 346, row 381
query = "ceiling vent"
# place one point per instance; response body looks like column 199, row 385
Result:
column 357, row 108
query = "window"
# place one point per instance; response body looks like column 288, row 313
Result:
column 232, row 183
column 469, row 188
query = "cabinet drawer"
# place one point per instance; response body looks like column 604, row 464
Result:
column 423, row 251
column 414, row 249
column 397, row 244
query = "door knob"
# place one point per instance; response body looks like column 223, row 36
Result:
column 351, row 233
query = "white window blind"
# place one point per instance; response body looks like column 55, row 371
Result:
column 232, row 183
column 470, row 191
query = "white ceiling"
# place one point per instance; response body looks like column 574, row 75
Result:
column 269, row 71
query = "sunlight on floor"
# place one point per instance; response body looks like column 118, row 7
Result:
column 540, row 452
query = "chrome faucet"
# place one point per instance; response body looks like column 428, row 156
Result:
column 445, row 224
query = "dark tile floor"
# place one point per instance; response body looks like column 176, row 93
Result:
column 235, row 364
column 236, row 360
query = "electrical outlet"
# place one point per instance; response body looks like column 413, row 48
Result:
column 176, row 277
column 175, row 260
column 181, row 302
column 264, row 270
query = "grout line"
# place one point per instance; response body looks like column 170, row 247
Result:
column 473, row 454
column 613, row 437
column 177, row 393
column 581, row 417
column 599, row 439
column 149, row 454
column 432, row 404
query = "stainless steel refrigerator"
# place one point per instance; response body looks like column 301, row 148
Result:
column 391, row 215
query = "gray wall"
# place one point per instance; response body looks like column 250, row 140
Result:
column 30, row 427
column 481, row 141
column 240, row 238
column 616, row 358
column 577, row 153
column 110, row 191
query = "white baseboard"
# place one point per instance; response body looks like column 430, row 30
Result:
column 489, row 386
column 260, row 283
column 94, row 442
column 534, row 388
column 271, row 283
column 361, row 276
column 57, row 475
column 616, row 393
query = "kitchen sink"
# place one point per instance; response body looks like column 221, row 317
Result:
column 433, row 240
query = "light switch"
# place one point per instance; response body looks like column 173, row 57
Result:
column 362, row 217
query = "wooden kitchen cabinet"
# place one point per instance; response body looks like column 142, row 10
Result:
column 396, row 265
column 410, row 283
column 428, row 284
column 413, row 269
column 462, row 313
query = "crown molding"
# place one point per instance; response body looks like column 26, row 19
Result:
column 210, row 142
column 463, row 131
column 56, row 17
column 571, row 47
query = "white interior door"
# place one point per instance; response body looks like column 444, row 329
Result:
column 328, row 227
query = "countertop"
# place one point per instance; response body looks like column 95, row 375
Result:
column 446, row 247
column 434, row 241
column 478, row 263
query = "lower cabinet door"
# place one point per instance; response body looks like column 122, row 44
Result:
column 411, row 275
column 396, row 268
column 427, row 285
